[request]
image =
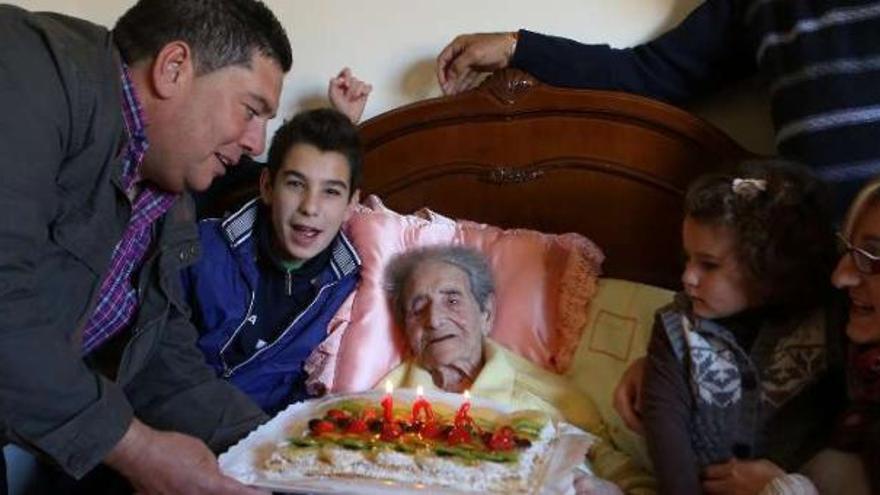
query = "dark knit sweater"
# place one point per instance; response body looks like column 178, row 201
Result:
column 820, row 60
column 750, row 386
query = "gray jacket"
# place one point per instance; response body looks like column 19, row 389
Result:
column 737, row 392
column 62, row 211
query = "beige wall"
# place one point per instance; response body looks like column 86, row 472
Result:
column 392, row 43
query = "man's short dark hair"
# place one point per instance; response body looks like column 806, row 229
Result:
column 325, row 129
column 221, row 33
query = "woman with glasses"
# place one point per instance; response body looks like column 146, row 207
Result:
column 855, row 443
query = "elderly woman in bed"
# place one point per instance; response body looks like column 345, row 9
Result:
column 443, row 297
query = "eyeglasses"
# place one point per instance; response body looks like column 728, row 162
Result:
column 865, row 262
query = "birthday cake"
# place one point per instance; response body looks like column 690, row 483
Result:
column 418, row 442
column 405, row 442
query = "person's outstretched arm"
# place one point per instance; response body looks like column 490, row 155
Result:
column 705, row 50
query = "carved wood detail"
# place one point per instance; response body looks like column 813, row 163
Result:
column 507, row 85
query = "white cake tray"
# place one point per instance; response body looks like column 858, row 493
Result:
column 244, row 460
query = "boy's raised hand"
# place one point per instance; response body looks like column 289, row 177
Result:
column 349, row 94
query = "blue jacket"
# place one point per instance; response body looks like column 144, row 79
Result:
column 221, row 288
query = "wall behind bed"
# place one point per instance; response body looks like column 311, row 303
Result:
column 392, row 43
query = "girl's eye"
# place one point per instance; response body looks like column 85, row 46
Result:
column 708, row 265
column 295, row 184
column 333, row 192
column 250, row 113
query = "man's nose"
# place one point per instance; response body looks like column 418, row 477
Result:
column 253, row 140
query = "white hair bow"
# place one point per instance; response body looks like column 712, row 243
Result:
column 748, row 188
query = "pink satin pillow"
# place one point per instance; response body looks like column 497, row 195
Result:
column 543, row 284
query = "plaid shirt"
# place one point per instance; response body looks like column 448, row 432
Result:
column 118, row 300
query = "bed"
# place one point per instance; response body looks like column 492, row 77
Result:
column 518, row 154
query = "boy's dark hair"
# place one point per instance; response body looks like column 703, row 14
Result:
column 325, row 129
column 220, row 32
column 780, row 217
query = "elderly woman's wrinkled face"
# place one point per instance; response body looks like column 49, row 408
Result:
column 863, row 289
column 444, row 323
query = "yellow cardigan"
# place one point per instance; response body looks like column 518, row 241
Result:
column 510, row 379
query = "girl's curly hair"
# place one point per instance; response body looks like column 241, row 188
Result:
column 780, row 217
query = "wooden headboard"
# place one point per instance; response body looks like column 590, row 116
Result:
column 518, row 153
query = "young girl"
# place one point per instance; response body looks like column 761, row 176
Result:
column 851, row 463
column 738, row 366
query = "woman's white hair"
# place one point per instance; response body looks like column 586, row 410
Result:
column 468, row 260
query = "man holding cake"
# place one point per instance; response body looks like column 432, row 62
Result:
column 443, row 297
column 104, row 136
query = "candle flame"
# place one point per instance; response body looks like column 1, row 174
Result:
column 420, row 390
column 388, row 387
column 467, row 395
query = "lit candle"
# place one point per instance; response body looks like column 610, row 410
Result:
column 388, row 402
column 461, row 417
column 421, row 405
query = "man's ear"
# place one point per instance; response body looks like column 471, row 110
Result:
column 352, row 202
column 172, row 69
column 266, row 186
column 488, row 314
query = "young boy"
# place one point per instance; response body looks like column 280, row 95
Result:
column 273, row 274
